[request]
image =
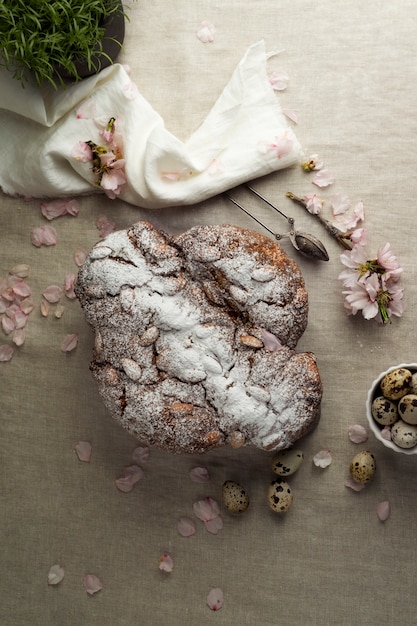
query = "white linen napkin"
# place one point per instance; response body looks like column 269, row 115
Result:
column 244, row 136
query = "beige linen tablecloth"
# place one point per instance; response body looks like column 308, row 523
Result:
column 329, row 561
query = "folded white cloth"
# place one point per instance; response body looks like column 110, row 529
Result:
column 244, row 136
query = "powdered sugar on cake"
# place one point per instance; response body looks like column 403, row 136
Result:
column 179, row 338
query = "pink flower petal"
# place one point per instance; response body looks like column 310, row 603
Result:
column 322, row 459
column 323, row 178
column 83, row 451
column 206, row 509
column 22, row 289
column 82, row 152
column 80, row 254
column 58, row 208
column 130, row 90
column 45, row 308
column 69, row 343
column 357, row 433
column 166, row 564
column 352, row 484
column 87, row 109
column 340, row 203
column 105, row 226
column 291, row 114
column 6, row 352
column 43, row 236
column 21, row 270
column 186, row 527
column 199, row 475
column 7, row 324
column 52, row 294
column 383, row 510
column 206, row 32
column 55, row 575
column 386, row 433
column 69, row 285
column 132, row 475
column 214, row 525
column 279, row 80
column 140, row 455
column 19, row 336
column 215, row 599
column 92, row 584
column 271, row 342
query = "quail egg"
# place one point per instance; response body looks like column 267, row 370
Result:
column 362, row 467
column 396, row 384
column 279, row 496
column 235, row 498
column 287, row 462
column 384, row 411
column 407, row 408
column 404, row 435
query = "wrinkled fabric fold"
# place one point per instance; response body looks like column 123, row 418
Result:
column 238, row 140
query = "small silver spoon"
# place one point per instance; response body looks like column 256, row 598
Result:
column 306, row 244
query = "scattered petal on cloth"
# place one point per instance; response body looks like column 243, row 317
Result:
column 206, row 509
column 70, row 279
column 45, row 308
column 87, row 109
column 166, row 564
column 357, row 433
column 313, row 204
column 352, row 484
column 105, row 226
column 59, row 311
column 80, row 254
column 52, row 294
column 92, row 584
column 291, row 114
column 340, row 204
column 140, row 454
column 214, row 525
column 323, row 178
column 58, row 208
column 383, row 510
column 279, row 80
column 70, row 342
column 130, row 90
column 206, row 32
column 83, row 450
column 215, row 599
column 43, row 236
column 55, row 575
column 322, row 459
column 186, row 527
column 21, row 270
column 6, row 352
column 199, row 475
column 132, row 475
column 19, row 337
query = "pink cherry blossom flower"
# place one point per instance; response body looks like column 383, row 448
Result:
column 186, row 527
column 313, row 204
column 215, row 599
column 278, row 80
column 6, row 352
column 52, row 294
column 323, row 178
column 199, row 475
column 83, row 451
column 58, row 208
column 383, row 510
column 313, row 163
column 82, row 152
column 43, row 236
column 322, row 459
column 69, row 342
column 166, row 564
column 92, row 584
column 357, row 433
column 359, row 236
column 282, row 146
column 206, row 32
column 389, row 262
column 363, row 296
column 113, row 178
column 132, row 475
column 55, row 575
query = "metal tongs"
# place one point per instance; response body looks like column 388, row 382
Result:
column 306, row 244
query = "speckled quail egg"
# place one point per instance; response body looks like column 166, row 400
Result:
column 362, row 467
column 407, row 408
column 396, row 384
column 384, row 411
column 279, row 496
column 404, row 435
column 235, row 498
column 287, row 462
column 414, row 383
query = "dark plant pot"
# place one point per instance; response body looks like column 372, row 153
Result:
column 114, row 33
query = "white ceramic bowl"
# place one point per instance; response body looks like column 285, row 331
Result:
column 373, row 392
